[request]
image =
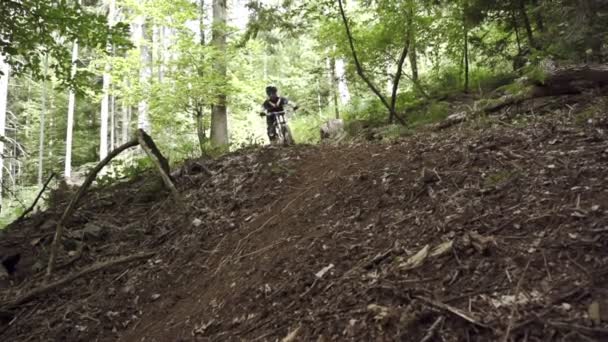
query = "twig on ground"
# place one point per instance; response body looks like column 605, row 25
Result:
column 432, row 330
column 580, row 328
column 512, row 314
column 453, row 310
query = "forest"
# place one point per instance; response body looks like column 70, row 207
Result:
column 79, row 82
column 478, row 124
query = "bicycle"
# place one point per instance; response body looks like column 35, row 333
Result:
column 282, row 132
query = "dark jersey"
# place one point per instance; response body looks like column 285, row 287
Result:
column 275, row 106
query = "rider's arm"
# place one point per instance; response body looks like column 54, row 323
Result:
column 291, row 104
column 265, row 108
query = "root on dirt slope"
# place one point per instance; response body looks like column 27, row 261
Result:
column 492, row 234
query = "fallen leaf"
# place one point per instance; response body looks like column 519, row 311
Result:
column 417, row 259
column 442, row 249
column 594, row 312
column 292, row 335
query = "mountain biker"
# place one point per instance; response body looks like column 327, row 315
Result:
column 274, row 104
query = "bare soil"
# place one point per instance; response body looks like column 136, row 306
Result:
column 316, row 243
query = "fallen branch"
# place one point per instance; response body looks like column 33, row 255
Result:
column 29, row 210
column 432, row 330
column 74, row 202
column 570, row 326
column 70, row 278
column 452, row 310
column 148, row 145
column 512, row 315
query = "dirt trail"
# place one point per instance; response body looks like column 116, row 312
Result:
column 317, row 242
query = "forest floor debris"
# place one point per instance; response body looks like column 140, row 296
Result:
column 315, row 243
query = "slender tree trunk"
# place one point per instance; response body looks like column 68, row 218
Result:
column 389, row 106
column 105, row 101
column 201, row 21
column 219, row 117
column 334, row 86
column 319, row 102
column 70, row 125
column 200, row 129
column 342, row 82
column 4, row 77
column 466, row 47
column 145, row 74
column 161, row 57
column 112, row 122
column 517, row 35
column 42, row 123
column 524, row 15
column 413, row 36
column 124, row 124
column 538, row 16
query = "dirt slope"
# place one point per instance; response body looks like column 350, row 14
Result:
column 315, row 243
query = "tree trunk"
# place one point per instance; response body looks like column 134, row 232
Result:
column 145, row 73
column 112, row 122
column 200, row 129
column 524, row 15
column 538, row 17
column 42, row 123
column 124, row 122
column 413, row 36
column 466, row 48
column 105, row 101
column 342, row 83
column 219, row 118
column 334, row 86
column 5, row 72
column 201, row 21
column 70, row 125
column 517, row 36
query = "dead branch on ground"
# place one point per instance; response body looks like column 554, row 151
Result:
column 70, row 278
column 148, row 145
column 29, row 210
column 74, row 202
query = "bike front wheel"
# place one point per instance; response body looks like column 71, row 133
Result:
column 287, row 136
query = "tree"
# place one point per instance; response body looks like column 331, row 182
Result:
column 219, row 115
column 145, row 72
column 393, row 99
column 105, row 101
column 42, row 123
column 38, row 28
column 70, row 124
column 4, row 77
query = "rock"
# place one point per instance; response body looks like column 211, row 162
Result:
column 332, row 129
column 92, row 231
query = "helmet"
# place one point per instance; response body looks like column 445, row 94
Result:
column 271, row 90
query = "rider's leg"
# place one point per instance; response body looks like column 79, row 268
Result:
column 270, row 123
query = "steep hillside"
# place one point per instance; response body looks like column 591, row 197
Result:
column 493, row 231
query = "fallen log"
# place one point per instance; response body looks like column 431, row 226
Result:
column 565, row 80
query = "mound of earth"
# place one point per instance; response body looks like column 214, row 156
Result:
column 489, row 233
